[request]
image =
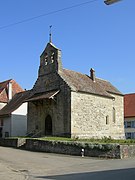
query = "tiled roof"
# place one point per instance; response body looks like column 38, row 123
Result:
column 107, row 86
column 84, row 83
column 4, row 90
column 44, row 95
column 129, row 105
column 14, row 103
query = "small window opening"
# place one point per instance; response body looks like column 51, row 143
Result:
column 107, row 119
column 114, row 115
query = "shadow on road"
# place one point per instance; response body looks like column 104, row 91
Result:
column 121, row 174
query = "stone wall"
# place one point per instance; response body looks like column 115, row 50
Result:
column 92, row 116
column 58, row 108
column 9, row 142
column 72, row 148
column 75, row 148
column 127, row 151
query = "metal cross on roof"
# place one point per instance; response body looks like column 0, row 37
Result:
column 50, row 35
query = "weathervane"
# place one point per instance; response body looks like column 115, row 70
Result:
column 50, row 35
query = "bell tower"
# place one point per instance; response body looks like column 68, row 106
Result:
column 50, row 60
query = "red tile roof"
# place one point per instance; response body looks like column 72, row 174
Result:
column 4, row 89
column 129, row 105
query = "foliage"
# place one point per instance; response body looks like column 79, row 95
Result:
column 104, row 140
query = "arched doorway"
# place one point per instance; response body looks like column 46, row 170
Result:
column 48, row 126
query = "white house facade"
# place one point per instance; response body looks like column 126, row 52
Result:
column 14, row 116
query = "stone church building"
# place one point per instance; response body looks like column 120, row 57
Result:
column 71, row 104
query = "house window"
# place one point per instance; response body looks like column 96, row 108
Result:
column 133, row 124
column 125, row 124
column 107, row 119
column 6, row 134
column 114, row 115
column 133, row 135
column 129, row 124
column 1, row 122
column 130, row 135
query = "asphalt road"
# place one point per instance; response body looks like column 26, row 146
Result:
column 18, row 164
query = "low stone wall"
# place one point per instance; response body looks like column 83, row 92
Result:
column 127, row 151
column 9, row 142
column 74, row 148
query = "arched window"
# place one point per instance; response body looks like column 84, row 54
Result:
column 114, row 115
column 48, row 126
column 46, row 59
column 107, row 119
column 52, row 57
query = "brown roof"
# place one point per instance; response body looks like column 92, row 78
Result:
column 44, row 95
column 84, row 83
column 4, row 90
column 129, row 105
column 15, row 102
column 107, row 86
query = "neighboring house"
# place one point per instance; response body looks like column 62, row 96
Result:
column 129, row 115
column 14, row 116
column 7, row 90
column 71, row 104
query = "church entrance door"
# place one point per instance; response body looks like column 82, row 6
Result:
column 48, row 126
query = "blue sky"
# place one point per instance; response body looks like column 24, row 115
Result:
column 90, row 35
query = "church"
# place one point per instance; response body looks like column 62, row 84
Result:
column 71, row 104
